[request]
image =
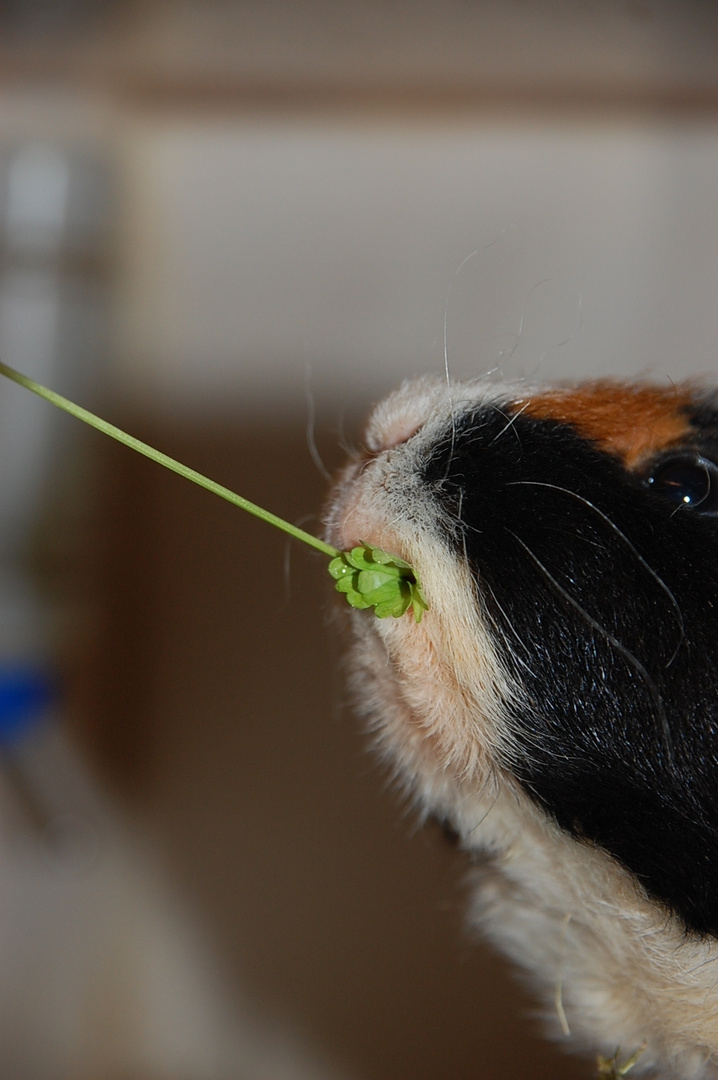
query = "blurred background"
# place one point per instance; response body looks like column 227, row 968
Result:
column 230, row 227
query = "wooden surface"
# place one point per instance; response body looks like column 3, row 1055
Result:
column 288, row 54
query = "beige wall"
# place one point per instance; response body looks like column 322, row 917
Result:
column 255, row 248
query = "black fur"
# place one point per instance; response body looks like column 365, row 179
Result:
column 601, row 592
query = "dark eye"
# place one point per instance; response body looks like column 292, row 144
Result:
column 687, row 480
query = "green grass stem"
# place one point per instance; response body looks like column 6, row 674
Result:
column 168, row 462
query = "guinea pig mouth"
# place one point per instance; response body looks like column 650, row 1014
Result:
column 351, row 535
column 358, row 516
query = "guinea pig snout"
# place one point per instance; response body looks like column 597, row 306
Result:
column 397, row 430
column 360, row 513
column 404, row 413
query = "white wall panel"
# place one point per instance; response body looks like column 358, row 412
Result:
column 254, row 249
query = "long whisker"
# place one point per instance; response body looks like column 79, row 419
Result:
column 622, row 536
column 510, row 626
column 447, row 374
column 509, row 422
column 631, row 659
column 344, row 442
column 463, row 530
column 310, row 431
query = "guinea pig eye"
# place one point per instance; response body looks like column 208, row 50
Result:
column 687, row 480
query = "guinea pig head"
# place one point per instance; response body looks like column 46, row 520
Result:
column 566, row 671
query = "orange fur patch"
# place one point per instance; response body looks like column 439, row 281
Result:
column 634, row 422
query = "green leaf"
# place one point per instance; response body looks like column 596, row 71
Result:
column 370, row 577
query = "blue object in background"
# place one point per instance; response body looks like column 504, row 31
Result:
column 26, row 694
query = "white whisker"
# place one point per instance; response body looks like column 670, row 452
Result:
column 311, row 427
column 622, row 536
column 626, row 653
column 510, row 422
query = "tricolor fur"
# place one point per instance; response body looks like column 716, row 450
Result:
column 558, row 704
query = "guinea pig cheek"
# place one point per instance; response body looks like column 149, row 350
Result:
column 443, row 697
column 435, row 692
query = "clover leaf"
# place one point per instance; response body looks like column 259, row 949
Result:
column 370, row 577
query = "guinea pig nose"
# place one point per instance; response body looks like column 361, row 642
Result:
column 404, row 413
column 399, row 431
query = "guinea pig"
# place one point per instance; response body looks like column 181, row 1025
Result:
column 557, row 705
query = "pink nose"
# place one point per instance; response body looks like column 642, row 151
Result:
column 405, row 412
column 399, row 431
